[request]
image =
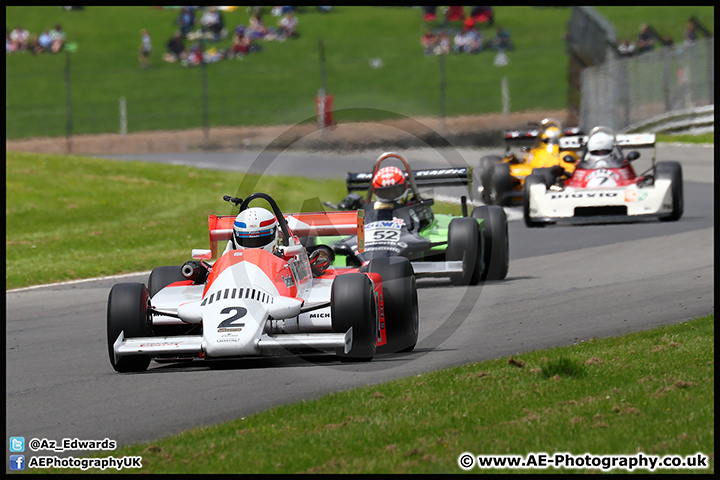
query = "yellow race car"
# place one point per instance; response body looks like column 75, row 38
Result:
column 503, row 178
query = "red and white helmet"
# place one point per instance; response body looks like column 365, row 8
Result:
column 256, row 228
column 390, row 185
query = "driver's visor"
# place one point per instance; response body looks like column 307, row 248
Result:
column 600, row 153
column 255, row 239
column 390, row 192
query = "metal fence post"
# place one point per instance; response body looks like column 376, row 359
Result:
column 68, row 104
column 505, row 90
column 206, row 115
column 123, row 116
column 443, row 88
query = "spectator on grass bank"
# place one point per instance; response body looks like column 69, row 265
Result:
column 145, row 49
column 626, row 48
column 44, row 42
column 175, row 48
column 287, row 25
column 241, row 44
column 443, row 44
column 20, row 39
column 502, row 41
column 257, row 28
column 645, row 40
column 428, row 42
column 689, row 35
column 469, row 40
column 454, row 14
column 194, row 58
column 430, row 14
column 482, row 15
column 8, row 42
column 57, row 36
column 212, row 22
column 186, row 20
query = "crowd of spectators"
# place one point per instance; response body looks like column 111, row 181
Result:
column 457, row 32
column 19, row 40
column 204, row 26
column 648, row 38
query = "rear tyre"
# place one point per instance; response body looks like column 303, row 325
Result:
column 546, row 174
column 463, row 245
column 487, row 164
column 127, row 312
column 161, row 277
column 496, row 245
column 400, row 303
column 352, row 304
column 501, row 184
column 672, row 171
column 532, row 179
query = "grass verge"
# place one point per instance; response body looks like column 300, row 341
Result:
column 647, row 392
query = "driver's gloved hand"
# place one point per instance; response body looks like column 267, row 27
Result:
column 320, row 260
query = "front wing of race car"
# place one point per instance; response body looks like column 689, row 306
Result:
column 582, row 204
column 186, row 345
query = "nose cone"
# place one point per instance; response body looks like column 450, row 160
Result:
column 233, row 328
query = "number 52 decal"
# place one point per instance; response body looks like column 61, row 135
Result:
column 384, row 234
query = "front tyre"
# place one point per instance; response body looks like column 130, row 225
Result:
column 400, row 303
column 501, row 184
column 532, row 179
column 463, row 245
column 496, row 245
column 352, row 305
column 672, row 171
column 487, row 164
column 127, row 312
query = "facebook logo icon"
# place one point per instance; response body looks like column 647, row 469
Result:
column 17, row 444
column 17, row 462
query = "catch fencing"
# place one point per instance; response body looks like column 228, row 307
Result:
column 624, row 91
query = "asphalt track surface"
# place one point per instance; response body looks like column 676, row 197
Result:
column 565, row 285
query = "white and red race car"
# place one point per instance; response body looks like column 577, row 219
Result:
column 251, row 302
column 607, row 193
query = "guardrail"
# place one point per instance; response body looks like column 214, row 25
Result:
column 696, row 120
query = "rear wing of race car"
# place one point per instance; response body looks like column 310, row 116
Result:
column 436, row 177
column 634, row 140
column 625, row 140
column 532, row 134
column 315, row 224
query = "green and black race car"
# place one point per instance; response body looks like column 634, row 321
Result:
column 467, row 249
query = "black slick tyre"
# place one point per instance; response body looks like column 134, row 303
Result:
column 532, row 179
column 487, row 164
column 161, row 277
column 127, row 312
column 463, row 245
column 496, row 245
column 672, row 171
column 501, row 184
column 352, row 305
column 400, row 303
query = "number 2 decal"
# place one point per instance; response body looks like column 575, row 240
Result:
column 228, row 322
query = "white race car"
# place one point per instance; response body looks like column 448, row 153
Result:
column 251, row 302
column 601, row 192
